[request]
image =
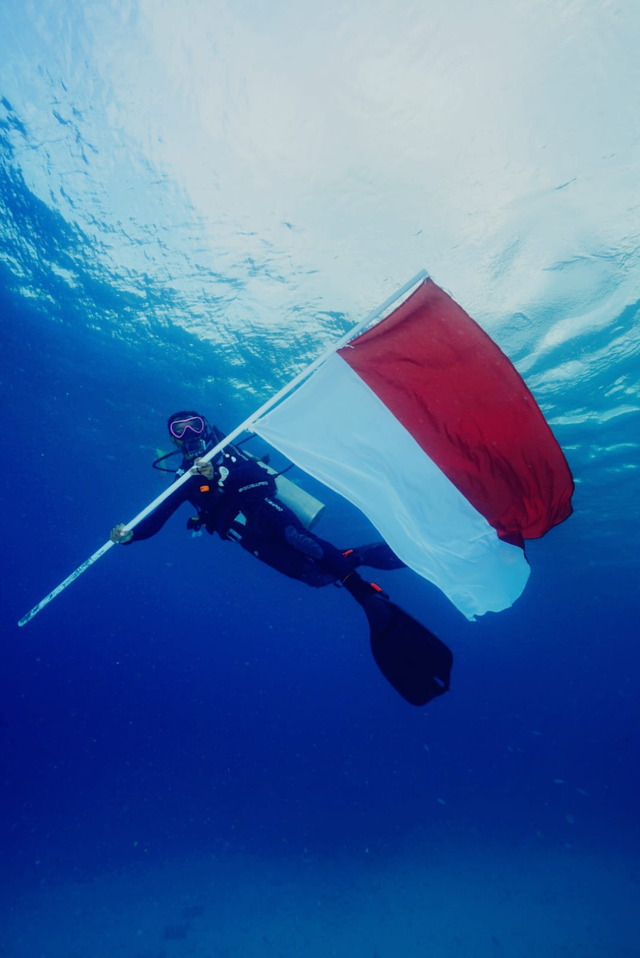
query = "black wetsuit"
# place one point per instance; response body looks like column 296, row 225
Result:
column 241, row 504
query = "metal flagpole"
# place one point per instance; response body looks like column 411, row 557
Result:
column 243, row 427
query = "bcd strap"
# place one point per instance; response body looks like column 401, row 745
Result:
column 237, row 528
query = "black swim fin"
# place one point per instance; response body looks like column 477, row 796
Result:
column 376, row 555
column 415, row 662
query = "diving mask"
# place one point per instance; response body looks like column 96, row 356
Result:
column 180, row 428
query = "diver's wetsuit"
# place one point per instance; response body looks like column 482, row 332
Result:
column 242, row 506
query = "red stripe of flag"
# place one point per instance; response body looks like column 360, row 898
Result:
column 468, row 408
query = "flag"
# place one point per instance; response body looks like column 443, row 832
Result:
column 425, row 425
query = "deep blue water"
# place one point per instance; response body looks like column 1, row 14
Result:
column 199, row 756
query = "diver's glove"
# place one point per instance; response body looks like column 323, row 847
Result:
column 121, row 535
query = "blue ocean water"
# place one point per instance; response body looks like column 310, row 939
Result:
column 199, row 756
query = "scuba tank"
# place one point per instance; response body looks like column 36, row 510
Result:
column 307, row 508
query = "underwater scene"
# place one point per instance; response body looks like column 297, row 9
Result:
column 203, row 757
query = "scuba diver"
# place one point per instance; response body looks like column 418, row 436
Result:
column 236, row 497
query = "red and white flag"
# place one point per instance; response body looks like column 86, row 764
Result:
column 425, row 425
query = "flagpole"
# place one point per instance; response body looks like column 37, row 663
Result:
column 243, row 427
